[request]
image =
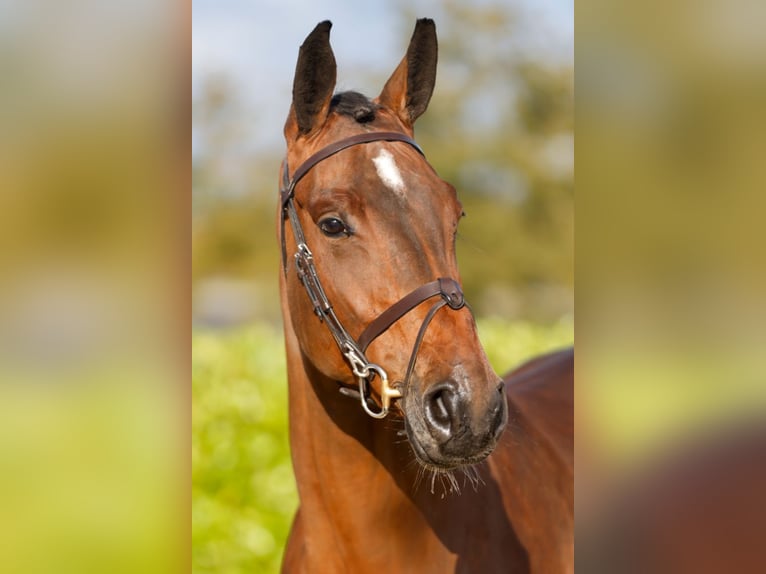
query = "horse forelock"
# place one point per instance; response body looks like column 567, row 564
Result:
column 354, row 105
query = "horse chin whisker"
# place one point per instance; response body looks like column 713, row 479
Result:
column 451, row 485
column 418, row 476
column 472, row 476
column 447, row 478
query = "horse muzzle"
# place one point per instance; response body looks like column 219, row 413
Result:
column 449, row 426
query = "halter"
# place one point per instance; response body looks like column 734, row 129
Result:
column 353, row 349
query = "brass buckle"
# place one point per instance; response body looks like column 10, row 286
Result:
column 387, row 392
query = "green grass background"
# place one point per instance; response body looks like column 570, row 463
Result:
column 243, row 491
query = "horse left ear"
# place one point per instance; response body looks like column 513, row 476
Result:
column 408, row 90
column 314, row 82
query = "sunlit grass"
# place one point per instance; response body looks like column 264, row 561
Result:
column 243, row 490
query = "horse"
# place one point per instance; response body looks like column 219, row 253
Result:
column 375, row 323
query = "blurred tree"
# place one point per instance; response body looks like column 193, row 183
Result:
column 500, row 127
column 233, row 208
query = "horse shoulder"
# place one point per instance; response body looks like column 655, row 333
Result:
column 534, row 461
column 541, row 391
column 304, row 553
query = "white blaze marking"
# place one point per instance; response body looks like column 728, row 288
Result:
column 388, row 172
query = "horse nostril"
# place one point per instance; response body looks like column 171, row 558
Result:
column 499, row 412
column 442, row 408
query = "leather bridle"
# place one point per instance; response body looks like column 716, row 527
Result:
column 353, row 349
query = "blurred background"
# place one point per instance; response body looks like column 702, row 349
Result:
column 499, row 127
column 94, row 328
column 671, row 276
column 96, row 306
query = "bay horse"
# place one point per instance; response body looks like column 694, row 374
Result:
column 375, row 322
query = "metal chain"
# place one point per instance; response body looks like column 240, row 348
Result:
column 360, row 366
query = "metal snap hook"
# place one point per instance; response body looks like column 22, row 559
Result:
column 387, row 392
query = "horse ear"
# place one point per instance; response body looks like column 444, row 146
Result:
column 314, row 80
column 408, row 90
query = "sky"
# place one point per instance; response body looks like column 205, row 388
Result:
column 254, row 44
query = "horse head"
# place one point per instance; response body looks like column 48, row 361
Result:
column 368, row 229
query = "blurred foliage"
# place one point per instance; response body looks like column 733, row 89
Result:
column 243, row 490
column 670, row 206
column 89, row 468
column 92, row 289
column 499, row 127
column 670, row 278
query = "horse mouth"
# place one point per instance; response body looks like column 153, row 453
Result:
column 432, row 457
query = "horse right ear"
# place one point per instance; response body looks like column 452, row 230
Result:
column 313, row 84
column 408, row 90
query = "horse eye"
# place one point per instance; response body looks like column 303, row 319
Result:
column 333, row 227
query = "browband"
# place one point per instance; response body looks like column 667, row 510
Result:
column 288, row 185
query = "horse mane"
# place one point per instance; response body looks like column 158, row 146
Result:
column 354, row 105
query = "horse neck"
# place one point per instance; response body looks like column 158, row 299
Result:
column 356, row 475
column 338, row 450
